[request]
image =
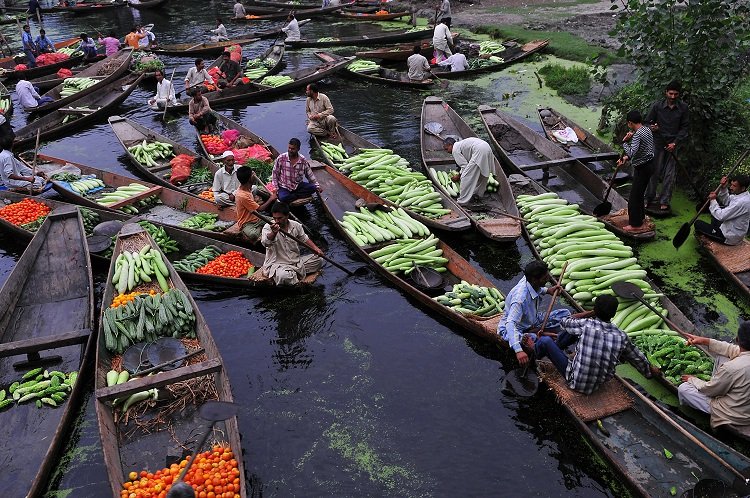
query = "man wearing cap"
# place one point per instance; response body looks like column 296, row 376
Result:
column 726, row 396
column 474, row 158
column 225, row 182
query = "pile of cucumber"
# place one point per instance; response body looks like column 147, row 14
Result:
column 137, row 267
column 71, row 86
column 41, row 386
column 149, row 153
column 197, row 259
column 84, row 185
column 469, row 299
column 201, row 221
column 370, row 227
column 404, row 254
column 363, row 66
column 445, row 178
column 160, row 236
column 670, row 353
column 120, row 194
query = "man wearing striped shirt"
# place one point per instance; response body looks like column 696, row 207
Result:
column 639, row 150
column 600, row 346
column 292, row 175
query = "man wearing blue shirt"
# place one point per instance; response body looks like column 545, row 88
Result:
column 29, row 48
column 43, row 44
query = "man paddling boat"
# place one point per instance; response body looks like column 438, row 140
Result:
column 16, row 175
column 291, row 29
column 283, row 262
column 164, row 92
column 239, row 10
column 726, row 396
column 250, row 226
column 320, row 119
column 475, row 160
column 599, row 347
column 292, row 175
column 730, row 213
column 419, row 67
column 522, row 315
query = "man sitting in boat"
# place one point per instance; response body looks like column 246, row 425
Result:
column 197, row 75
column 283, row 262
column 726, row 396
column 88, row 47
column 320, row 119
column 730, row 213
column 292, row 175
column 15, row 174
column 291, row 29
column 220, row 33
column 457, row 62
column 225, row 181
column 250, row 225
column 599, row 347
column 133, row 38
column 199, row 112
column 419, row 67
column 474, row 158
column 230, row 71
column 43, row 44
column 521, row 313
column 28, row 95
column 164, row 92
column 239, row 10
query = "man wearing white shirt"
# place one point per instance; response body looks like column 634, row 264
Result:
column 239, row 10
column 164, row 92
column 730, row 212
column 419, row 68
column 442, row 39
column 457, row 62
column 292, row 29
column 28, row 96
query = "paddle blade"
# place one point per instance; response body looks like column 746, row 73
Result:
column 603, row 209
column 682, row 235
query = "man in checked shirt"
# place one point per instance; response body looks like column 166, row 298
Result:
column 292, row 175
column 600, row 346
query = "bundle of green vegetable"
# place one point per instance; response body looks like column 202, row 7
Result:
column 197, row 259
column 370, row 227
column 255, row 68
column 454, row 188
column 137, row 267
column 276, row 81
column 199, row 174
column 146, row 63
column 201, row 221
column 146, row 318
column 480, row 63
column 71, row 51
column 120, row 194
column 90, row 220
column 335, row 152
column 469, row 299
column 262, row 169
column 363, row 66
column 65, row 177
column 327, row 39
column 404, row 254
column 82, row 186
column 35, row 225
column 148, row 153
column 490, row 47
column 160, row 236
column 71, row 86
column 388, row 175
column 671, row 354
column 44, row 387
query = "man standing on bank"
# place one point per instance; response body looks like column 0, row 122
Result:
column 669, row 121
column 639, row 150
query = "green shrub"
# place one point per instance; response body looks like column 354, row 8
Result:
column 567, row 80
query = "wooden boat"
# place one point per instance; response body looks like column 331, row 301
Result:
column 174, row 207
column 6, row 101
column 511, row 55
column 106, row 70
column 88, row 7
column 130, row 133
column 8, row 19
column 274, row 54
column 363, row 40
column 733, row 261
column 341, row 197
column 50, row 81
column 298, row 14
column 400, row 53
column 224, row 123
column 255, row 92
column 456, row 220
column 101, row 103
column 48, row 318
column 383, row 75
column 148, row 4
column 8, row 64
column 587, row 144
column 202, row 48
column 571, row 179
column 285, row 5
column 490, row 222
column 361, row 16
column 127, row 447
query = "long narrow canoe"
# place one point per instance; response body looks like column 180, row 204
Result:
column 148, row 4
column 50, row 81
column 174, row 207
column 360, row 16
column 256, row 92
column 456, row 220
column 6, row 102
column 733, row 261
column 224, row 123
column 341, row 196
column 202, row 48
column 362, row 40
column 490, row 221
column 99, row 104
column 130, row 133
column 285, row 5
column 298, row 14
column 519, row 146
column 47, row 306
column 383, row 75
column 126, row 446
column 105, row 71
column 401, row 52
column 8, row 64
column 88, row 7
column 510, row 56
column 274, row 57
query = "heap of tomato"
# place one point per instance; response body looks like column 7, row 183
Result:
column 23, row 212
column 207, row 194
column 231, row 264
column 214, row 474
column 214, row 144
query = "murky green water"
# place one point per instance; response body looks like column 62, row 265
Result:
column 351, row 389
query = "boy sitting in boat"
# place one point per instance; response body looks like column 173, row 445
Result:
column 599, row 347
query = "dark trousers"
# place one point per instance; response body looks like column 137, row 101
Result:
column 205, row 121
column 711, row 230
column 304, row 189
column 555, row 350
column 641, row 176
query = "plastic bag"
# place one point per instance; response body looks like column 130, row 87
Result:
column 230, row 136
column 181, row 167
column 21, row 67
column 257, row 151
column 64, row 73
column 235, row 53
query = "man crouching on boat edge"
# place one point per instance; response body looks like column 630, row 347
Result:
column 600, row 346
column 522, row 313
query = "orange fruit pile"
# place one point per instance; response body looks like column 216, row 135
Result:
column 25, row 211
column 231, row 264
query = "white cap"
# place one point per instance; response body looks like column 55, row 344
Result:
column 227, row 153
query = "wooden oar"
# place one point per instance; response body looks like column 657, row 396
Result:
column 605, row 207
column 554, row 298
column 33, row 167
column 171, row 87
column 684, row 231
column 270, row 221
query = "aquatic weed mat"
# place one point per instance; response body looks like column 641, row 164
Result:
column 609, row 399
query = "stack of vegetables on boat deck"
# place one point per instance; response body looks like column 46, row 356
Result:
column 91, row 187
column 388, row 175
column 211, row 261
column 44, row 387
column 28, row 214
column 596, row 260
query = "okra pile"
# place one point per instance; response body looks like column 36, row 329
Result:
column 43, row 387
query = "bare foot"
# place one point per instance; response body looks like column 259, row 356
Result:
column 630, row 228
